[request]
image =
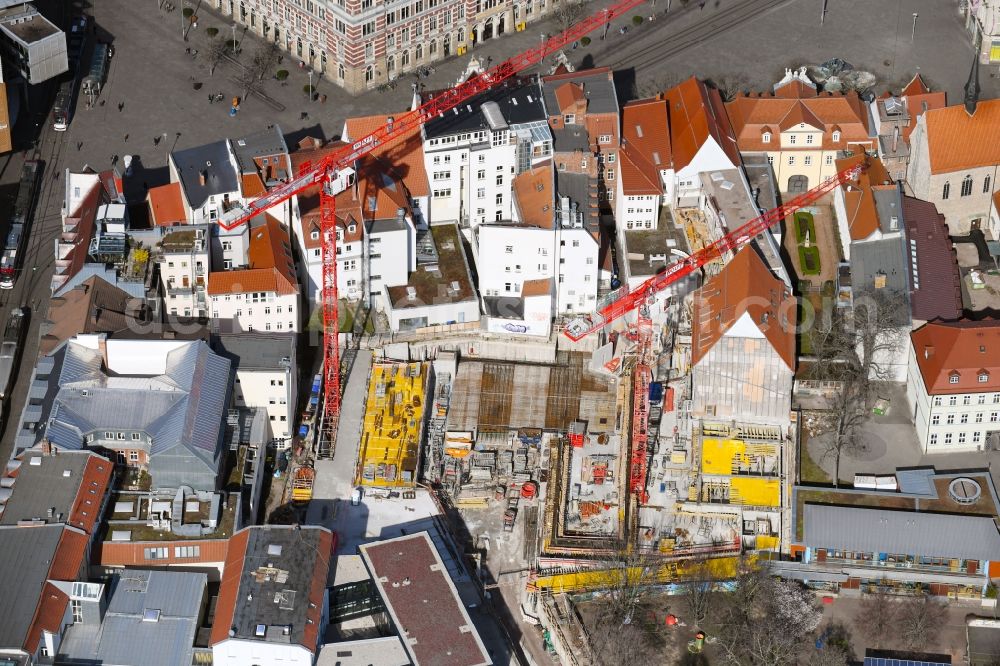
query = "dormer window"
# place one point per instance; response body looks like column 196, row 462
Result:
column 569, row 118
column 766, row 137
column 984, row 376
column 351, row 228
column 836, row 135
column 953, row 378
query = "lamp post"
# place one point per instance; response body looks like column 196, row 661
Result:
column 234, row 37
column 822, row 13
column 310, row 85
column 913, row 31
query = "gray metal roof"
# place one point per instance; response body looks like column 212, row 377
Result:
column 181, row 411
column 570, row 139
column 901, row 532
column 259, row 144
column 123, row 638
column 24, row 568
column 135, row 289
column 257, row 351
column 51, row 484
column 917, row 481
column 579, row 187
column 888, row 205
column 870, row 259
column 215, row 160
column 384, row 651
column 515, row 102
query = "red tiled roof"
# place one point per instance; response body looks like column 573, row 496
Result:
column 935, row 285
column 96, row 477
column 533, row 196
column 750, row 114
column 919, row 104
column 570, row 96
column 229, row 587
column 310, row 151
column 317, row 591
column 405, row 154
column 916, row 86
column 965, row 350
column 744, row 286
column 70, row 555
column 271, row 268
column 130, row 553
column 957, row 141
column 696, row 114
column 645, row 146
column 253, row 186
column 79, row 238
column 166, row 207
column 859, row 194
column 48, row 616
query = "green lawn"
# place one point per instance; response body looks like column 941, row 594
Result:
column 805, row 227
column 809, row 470
column 345, row 319
column 809, row 260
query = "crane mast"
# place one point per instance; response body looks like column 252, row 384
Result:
column 335, row 173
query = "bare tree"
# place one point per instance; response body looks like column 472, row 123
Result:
column 698, row 590
column 855, row 347
column 264, row 58
column 765, row 620
column 920, row 619
column 729, row 85
column 878, row 616
column 652, row 86
column 569, row 12
column 217, row 51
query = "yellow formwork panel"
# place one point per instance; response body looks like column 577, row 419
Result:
column 719, row 568
column 767, row 542
column 717, row 455
column 390, row 434
column 754, row 491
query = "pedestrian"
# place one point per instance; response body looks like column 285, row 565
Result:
column 126, row 138
column 121, row 106
column 209, row 98
column 156, row 140
column 79, row 145
column 114, row 160
column 701, row 5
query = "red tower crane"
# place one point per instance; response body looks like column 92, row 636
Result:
column 626, row 300
column 334, row 173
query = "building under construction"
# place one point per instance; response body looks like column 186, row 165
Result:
column 393, row 429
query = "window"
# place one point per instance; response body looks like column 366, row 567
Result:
column 963, row 419
column 499, row 180
column 135, row 437
column 937, row 401
column 836, row 135
column 981, row 399
column 996, row 398
column 933, row 439
column 604, row 138
column 569, row 119
column 187, row 551
column 499, row 198
column 155, row 553
column 610, row 158
column 770, row 159
column 766, row 137
column 133, row 456
column 966, row 399
column 953, row 400
column 121, row 435
column 946, row 190
column 791, row 160
column 368, row 29
column 481, row 174
column 829, row 160
column 77, row 610
column 509, row 249
column 481, row 193
column 610, row 174
column 951, row 419
column 936, row 419
column 947, row 438
column 809, row 138
column 792, row 138
column 979, row 417
column 994, row 417
column 984, row 377
column 953, row 379
column 808, row 160
column 967, row 186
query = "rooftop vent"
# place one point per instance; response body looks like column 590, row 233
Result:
column 964, row 490
column 411, row 293
column 35, row 461
column 455, row 286
column 274, row 549
column 260, row 630
column 67, row 473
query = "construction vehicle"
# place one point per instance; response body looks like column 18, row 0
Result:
column 509, row 516
column 335, row 172
column 302, row 483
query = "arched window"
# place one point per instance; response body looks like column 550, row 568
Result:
column 967, row 185
column 766, row 137
column 946, row 191
column 340, row 71
column 986, row 185
column 404, row 61
column 369, row 74
column 390, row 64
column 419, row 52
column 434, row 47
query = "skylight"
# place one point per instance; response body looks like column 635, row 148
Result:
column 151, row 615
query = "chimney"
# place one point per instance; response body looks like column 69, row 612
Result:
column 895, row 138
column 202, row 177
column 102, row 346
